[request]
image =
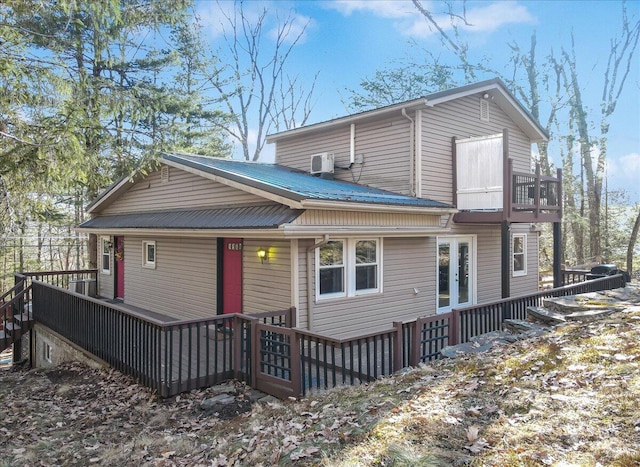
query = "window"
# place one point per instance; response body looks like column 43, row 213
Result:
column 519, row 251
column 105, row 254
column 331, row 269
column 366, row 265
column 149, row 255
column 348, row 267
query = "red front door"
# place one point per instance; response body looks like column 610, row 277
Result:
column 119, row 264
column 232, row 275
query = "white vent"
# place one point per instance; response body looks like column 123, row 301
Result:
column 322, row 163
column 484, row 110
column 164, row 174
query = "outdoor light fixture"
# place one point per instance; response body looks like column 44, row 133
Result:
column 263, row 254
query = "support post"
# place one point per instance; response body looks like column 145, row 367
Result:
column 398, row 343
column 505, row 260
column 557, row 254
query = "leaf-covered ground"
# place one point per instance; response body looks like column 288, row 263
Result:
column 571, row 397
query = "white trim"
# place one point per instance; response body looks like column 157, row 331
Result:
column 285, row 231
column 146, row 262
column 418, row 155
column 524, row 253
column 349, row 269
column 295, row 277
column 101, row 245
column 473, row 269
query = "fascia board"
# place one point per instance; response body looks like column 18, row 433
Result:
column 349, row 206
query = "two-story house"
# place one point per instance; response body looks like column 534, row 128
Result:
column 408, row 210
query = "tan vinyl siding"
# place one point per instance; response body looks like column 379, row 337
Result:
column 407, row 264
column 342, row 218
column 523, row 285
column 106, row 282
column 183, row 284
column 266, row 287
column 460, row 118
column 384, row 144
column 183, row 190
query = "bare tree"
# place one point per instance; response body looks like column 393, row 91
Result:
column 254, row 86
column 560, row 81
column 632, row 243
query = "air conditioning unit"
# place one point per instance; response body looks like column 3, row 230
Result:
column 322, row 163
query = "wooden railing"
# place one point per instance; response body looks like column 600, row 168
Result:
column 170, row 357
column 574, row 276
column 266, row 350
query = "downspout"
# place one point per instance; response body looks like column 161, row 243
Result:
column 310, row 281
column 352, row 145
column 412, row 162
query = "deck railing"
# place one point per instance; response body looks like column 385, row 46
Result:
column 574, row 276
column 170, row 357
column 265, row 350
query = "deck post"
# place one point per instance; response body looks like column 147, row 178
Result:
column 454, row 328
column 506, row 264
column 557, row 253
column 398, row 344
column 296, row 364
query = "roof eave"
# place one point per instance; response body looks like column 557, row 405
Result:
column 348, row 119
column 375, row 207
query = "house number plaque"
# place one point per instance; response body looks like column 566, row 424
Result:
column 234, row 246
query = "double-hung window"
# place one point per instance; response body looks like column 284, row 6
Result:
column 519, row 252
column 348, row 267
column 105, row 255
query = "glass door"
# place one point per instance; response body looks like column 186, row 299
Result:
column 455, row 281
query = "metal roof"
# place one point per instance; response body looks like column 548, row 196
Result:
column 297, row 185
column 244, row 217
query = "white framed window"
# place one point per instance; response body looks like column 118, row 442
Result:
column 348, row 267
column 105, row 255
column 149, row 254
column 519, row 254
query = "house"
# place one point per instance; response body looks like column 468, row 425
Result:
column 408, row 210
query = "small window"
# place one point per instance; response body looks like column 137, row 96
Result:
column 331, row 269
column 149, row 255
column 366, row 265
column 47, row 352
column 519, row 249
column 105, row 254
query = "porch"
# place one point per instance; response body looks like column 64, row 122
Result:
column 264, row 350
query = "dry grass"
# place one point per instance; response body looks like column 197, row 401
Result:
column 568, row 398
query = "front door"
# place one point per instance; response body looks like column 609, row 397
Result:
column 119, row 266
column 456, row 257
column 232, row 275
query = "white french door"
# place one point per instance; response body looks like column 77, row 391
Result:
column 456, row 272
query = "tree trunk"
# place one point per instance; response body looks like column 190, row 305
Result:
column 632, row 243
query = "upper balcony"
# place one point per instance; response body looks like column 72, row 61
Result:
column 487, row 190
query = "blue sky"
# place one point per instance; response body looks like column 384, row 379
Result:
column 346, row 41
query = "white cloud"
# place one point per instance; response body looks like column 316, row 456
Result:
column 381, row 8
column 213, row 17
column 630, row 166
column 409, row 22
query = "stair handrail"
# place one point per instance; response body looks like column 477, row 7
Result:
column 12, row 291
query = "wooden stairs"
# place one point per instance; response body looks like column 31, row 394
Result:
column 15, row 315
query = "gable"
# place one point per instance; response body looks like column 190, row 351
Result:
column 182, row 190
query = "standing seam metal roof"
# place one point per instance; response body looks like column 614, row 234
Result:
column 295, row 184
column 245, row 217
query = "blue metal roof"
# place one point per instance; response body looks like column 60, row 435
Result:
column 297, row 185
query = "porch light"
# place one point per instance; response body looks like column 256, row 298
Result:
column 263, row 254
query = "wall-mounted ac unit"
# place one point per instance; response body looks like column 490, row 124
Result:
column 322, row 163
